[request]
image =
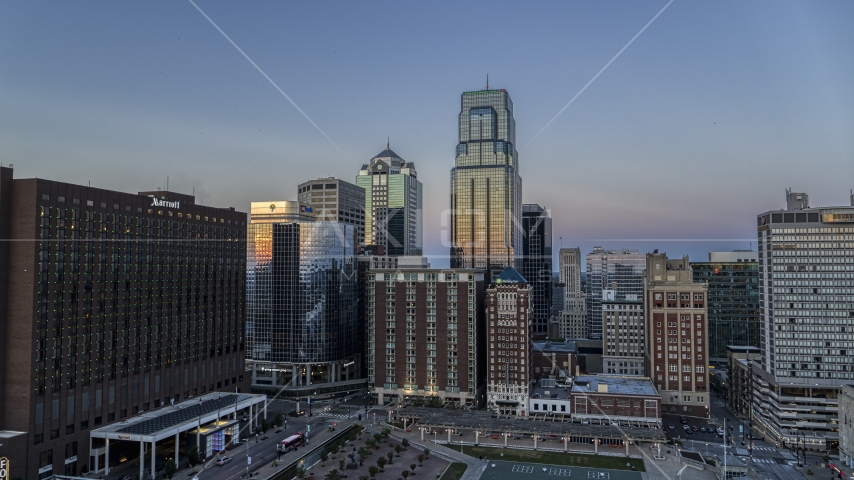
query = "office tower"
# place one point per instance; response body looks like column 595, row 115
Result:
column 113, row 303
column 623, row 336
column 508, row 308
column 676, row 349
column 618, row 270
column 301, row 302
column 806, row 300
column 335, row 200
column 537, row 263
column 573, row 318
column 486, row 189
column 733, row 279
column 393, row 204
column 426, row 334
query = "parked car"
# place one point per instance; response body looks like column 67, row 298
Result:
column 222, row 461
column 683, row 420
column 702, row 429
column 688, row 431
column 693, row 428
column 126, row 477
column 671, row 427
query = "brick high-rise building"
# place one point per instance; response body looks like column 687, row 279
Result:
column 110, row 303
column 426, row 334
column 509, row 352
column 677, row 346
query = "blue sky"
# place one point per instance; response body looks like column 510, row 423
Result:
column 696, row 128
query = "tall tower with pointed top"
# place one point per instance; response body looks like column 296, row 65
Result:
column 486, row 189
column 393, row 203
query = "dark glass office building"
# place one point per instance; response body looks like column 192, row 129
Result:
column 301, row 302
column 110, row 303
column 733, row 300
column 537, row 264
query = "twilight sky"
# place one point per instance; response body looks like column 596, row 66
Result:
column 698, row 126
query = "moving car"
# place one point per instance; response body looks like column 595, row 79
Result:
column 222, row 461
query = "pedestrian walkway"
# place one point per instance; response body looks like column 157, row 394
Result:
column 331, row 415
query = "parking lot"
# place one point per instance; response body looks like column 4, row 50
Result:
column 679, row 432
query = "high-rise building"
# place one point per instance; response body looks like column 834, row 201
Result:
column 676, row 353
column 110, row 303
column 623, row 329
column 509, row 352
column 426, row 334
column 733, row 279
column 301, row 302
column 573, row 317
column 393, row 204
column 618, row 270
column 486, row 189
column 335, row 200
column 806, row 335
column 537, row 263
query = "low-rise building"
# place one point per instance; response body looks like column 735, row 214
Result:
column 738, row 391
column 553, row 359
column 623, row 340
column 625, row 400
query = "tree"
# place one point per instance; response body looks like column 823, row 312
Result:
column 381, row 462
column 412, row 467
column 426, row 452
column 420, row 459
column 280, row 420
column 372, row 470
column 169, row 469
column 300, row 472
column 385, row 433
column 397, row 449
column 264, row 425
column 405, row 443
column 341, row 464
column 332, row 475
column 324, row 456
column 371, row 443
column 378, row 437
column 193, row 457
column 390, row 457
column 404, row 474
column 363, row 452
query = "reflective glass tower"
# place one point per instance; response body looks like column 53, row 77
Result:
column 301, row 299
column 393, row 209
column 486, row 189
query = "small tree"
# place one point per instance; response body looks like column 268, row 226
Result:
column 363, row 452
column 193, row 457
column 341, row 464
column 390, row 457
column 280, row 420
column 300, row 472
column 385, row 433
column 378, row 437
column 405, row 443
column 333, row 475
column 420, row 459
column 397, row 449
column 381, row 462
column 412, row 467
column 324, row 456
column 371, row 443
column 372, row 470
column 426, row 453
column 169, row 469
column 404, row 473
column 264, row 425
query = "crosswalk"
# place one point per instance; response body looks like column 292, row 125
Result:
column 763, row 460
column 765, row 449
column 331, row 415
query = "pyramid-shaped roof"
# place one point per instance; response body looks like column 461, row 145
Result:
column 510, row 275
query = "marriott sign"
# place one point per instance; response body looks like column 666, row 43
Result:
column 163, row 203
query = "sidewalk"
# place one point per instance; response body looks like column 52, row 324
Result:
column 475, row 466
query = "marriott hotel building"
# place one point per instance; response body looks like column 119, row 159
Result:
column 111, row 304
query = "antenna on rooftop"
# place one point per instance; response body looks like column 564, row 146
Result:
column 487, row 81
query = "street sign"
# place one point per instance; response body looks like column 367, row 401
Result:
column 307, row 427
column 741, row 429
column 309, row 400
column 249, row 460
column 4, row 468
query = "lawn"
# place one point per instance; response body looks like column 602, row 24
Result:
column 455, row 471
column 555, row 458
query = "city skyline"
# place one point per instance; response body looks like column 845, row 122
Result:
column 717, row 94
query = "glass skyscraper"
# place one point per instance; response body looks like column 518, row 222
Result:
column 300, row 299
column 393, row 204
column 537, row 263
column 486, row 189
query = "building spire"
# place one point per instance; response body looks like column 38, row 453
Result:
column 487, row 81
column 388, row 143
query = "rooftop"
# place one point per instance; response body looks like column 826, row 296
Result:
column 549, row 346
column 510, row 275
column 614, row 384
